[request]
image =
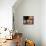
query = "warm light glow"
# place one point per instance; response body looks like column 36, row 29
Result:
column 6, row 13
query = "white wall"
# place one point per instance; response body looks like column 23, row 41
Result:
column 6, row 13
column 43, row 22
column 29, row 8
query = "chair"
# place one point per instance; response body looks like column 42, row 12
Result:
column 18, row 39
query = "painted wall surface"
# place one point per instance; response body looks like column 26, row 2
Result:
column 43, row 22
column 29, row 8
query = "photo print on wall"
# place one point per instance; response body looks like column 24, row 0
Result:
column 29, row 20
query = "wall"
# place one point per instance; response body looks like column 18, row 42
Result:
column 6, row 13
column 29, row 8
column 43, row 22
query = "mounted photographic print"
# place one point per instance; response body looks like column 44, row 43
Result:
column 29, row 20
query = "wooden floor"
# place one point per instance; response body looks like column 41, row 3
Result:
column 9, row 43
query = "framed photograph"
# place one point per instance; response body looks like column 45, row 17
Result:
column 29, row 20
